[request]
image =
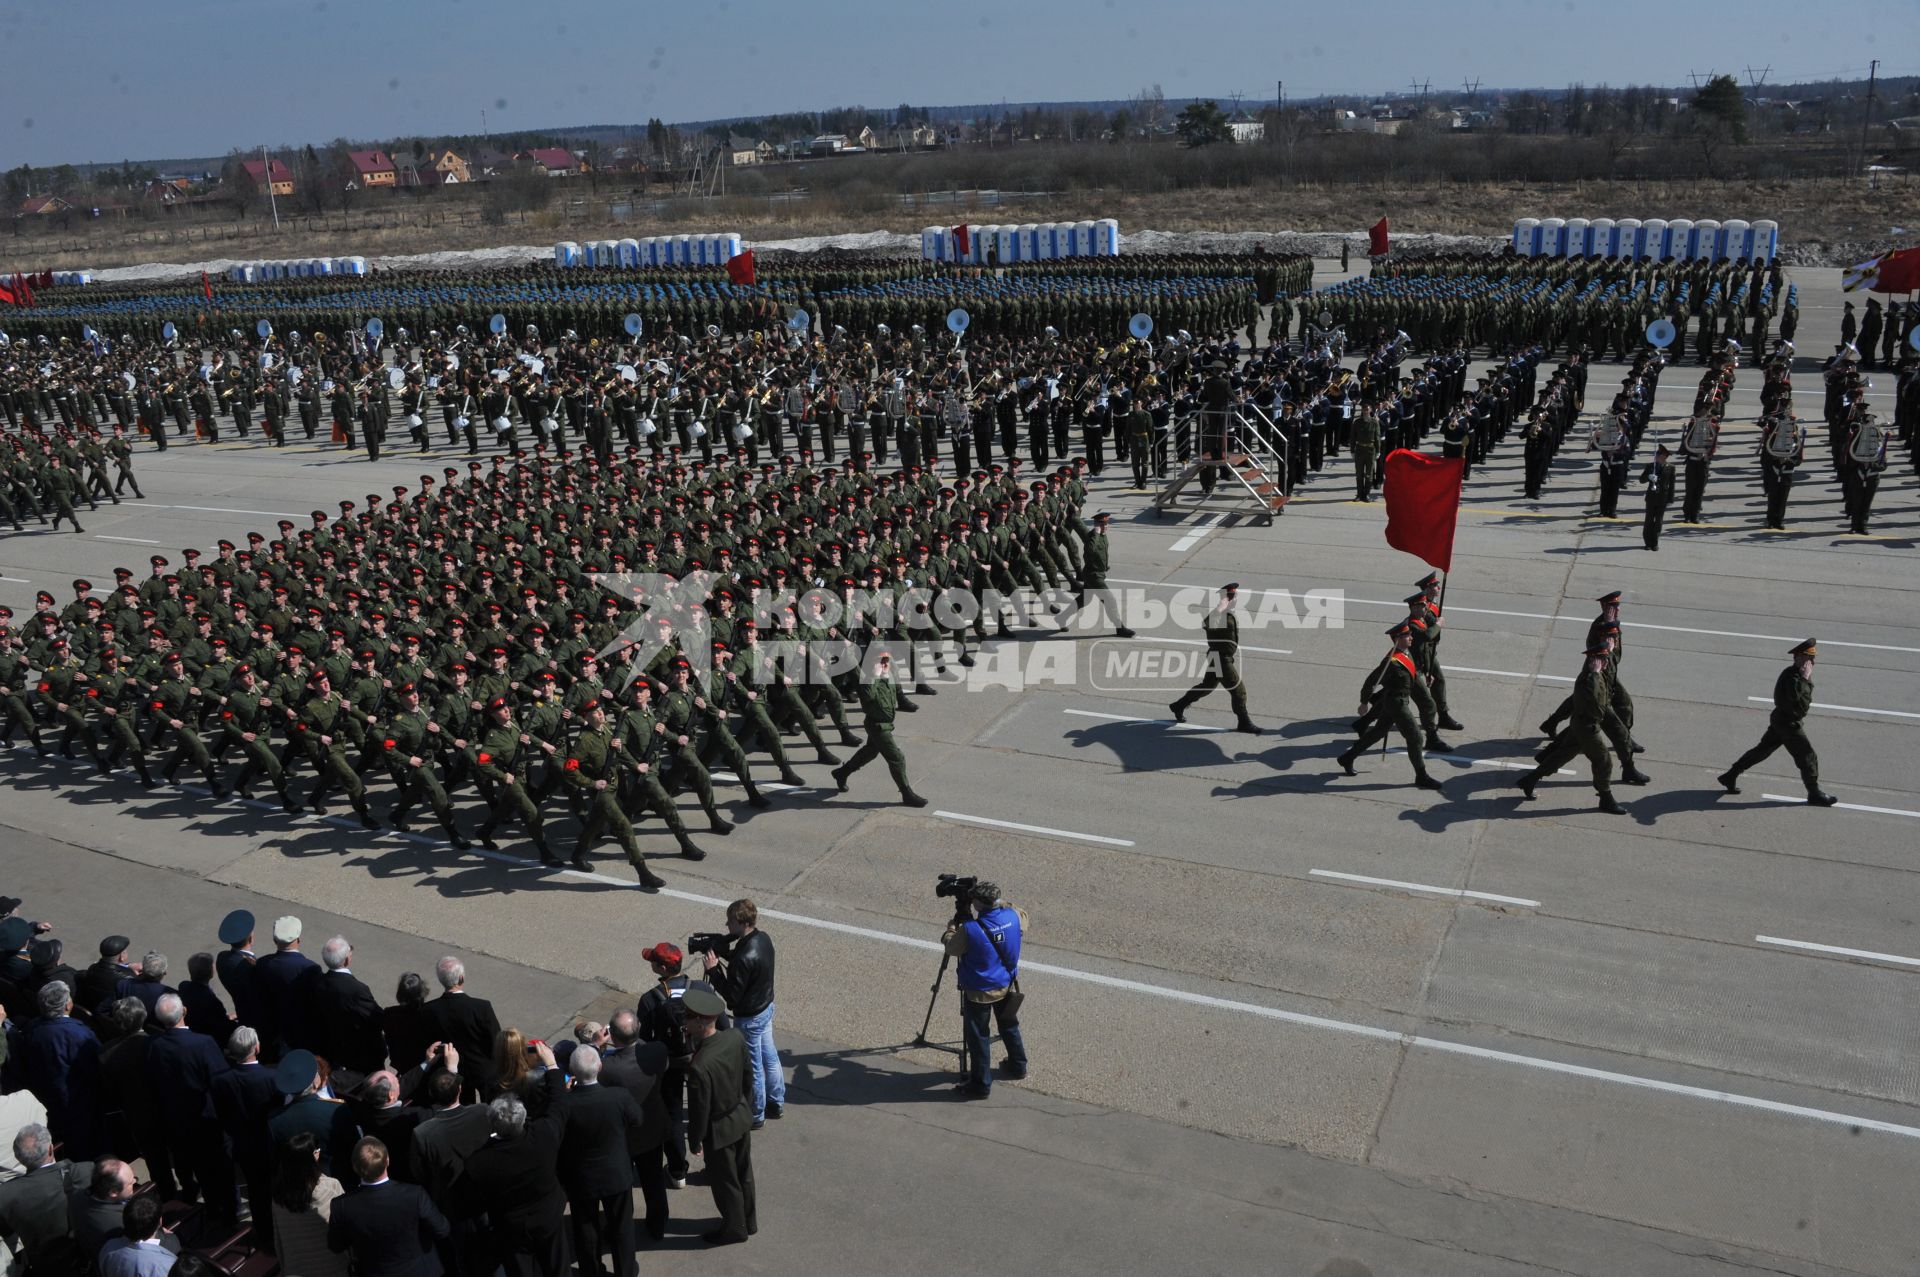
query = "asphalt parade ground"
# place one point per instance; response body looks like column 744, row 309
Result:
column 1281, row 1020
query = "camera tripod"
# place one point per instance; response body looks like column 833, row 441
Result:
column 960, row 918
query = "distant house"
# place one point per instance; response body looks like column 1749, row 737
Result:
column 554, row 161
column 828, row 144
column 373, row 168
column 257, row 173
column 917, row 137
column 489, row 163
column 449, row 169
column 742, row 151
column 866, row 139
column 43, row 206
column 1244, row 128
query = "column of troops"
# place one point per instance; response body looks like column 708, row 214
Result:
column 457, row 634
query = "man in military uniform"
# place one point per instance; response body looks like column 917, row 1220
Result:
column 1222, row 628
column 1093, row 573
column 1659, row 480
column 1590, row 706
column 590, row 771
column 1392, row 706
column 880, row 700
column 500, row 758
column 412, row 745
column 1792, row 698
column 1366, row 453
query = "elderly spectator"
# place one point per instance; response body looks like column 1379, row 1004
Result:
column 183, row 1065
column 514, row 1178
column 281, row 982
column 640, row 1069
column 378, row 1111
column 48, row 957
column 392, row 1229
column 133, row 1127
column 148, row 982
column 405, row 1023
column 140, row 1250
column 244, row 1098
column 346, row 1019
column 33, row 1206
column 59, row 1061
column 303, row 1196
column 601, row 1132
column 98, row 982
column 95, row 1212
column 465, row 1023
column 205, row 1012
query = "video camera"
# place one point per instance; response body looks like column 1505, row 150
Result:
column 709, row 942
column 956, row 886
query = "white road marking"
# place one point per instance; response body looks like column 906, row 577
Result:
column 1194, row 537
column 1810, row 947
column 1067, row 834
column 1501, row 763
column 732, row 779
column 1128, row 718
column 1879, row 811
column 1350, row 1027
column 1547, row 616
column 215, row 509
column 1545, row 678
column 1422, row 887
column 130, row 540
column 1845, row 709
column 1244, row 647
column 17, row 580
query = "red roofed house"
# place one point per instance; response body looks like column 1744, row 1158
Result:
column 42, row 205
column 556, row 161
column 372, row 168
column 257, row 171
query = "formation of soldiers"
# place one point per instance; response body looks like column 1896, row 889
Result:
column 46, row 476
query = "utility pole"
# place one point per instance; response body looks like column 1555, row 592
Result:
column 1873, row 75
column 1757, row 78
column 266, row 171
column 1279, row 95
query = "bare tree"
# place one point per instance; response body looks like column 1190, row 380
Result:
column 1149, row 107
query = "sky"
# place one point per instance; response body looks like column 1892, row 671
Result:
column 115, row 80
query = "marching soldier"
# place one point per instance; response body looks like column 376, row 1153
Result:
column 1860, row 468
column 500, row 759
column 1611, row 440
column 1093, row 574
column 1392, row 706
column 412, row 745
column 880, row 700
column 1222, row 628
column 1792, row 698
column 590, row 772
column 1698, row 442
column 1658, row 479
column 1783, row 446
column 1589, row 707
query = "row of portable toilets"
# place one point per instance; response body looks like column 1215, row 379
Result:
column 305, row 268
column 1033, row 242
column 1631, row 237
column 654, row 250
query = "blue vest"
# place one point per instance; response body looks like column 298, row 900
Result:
column 981, row 967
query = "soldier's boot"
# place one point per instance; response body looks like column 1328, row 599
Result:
column 687, row 849
column 1608, row 805
column 650, row 881
column 1526, row 783
column 1452, row 724
column 754, row 797
column 788, row 776
column 1434, row 745
column 539, row 840
column 445, row 817
column 484, row 834
column 1820, row 798
column 1179, row 709
column 848, row 739
column 827, row 755
column 840, row 779
column 912, row 799
column 1247, row 725
column 288, row 803
column 140, row 769
column 1423, row 779
column 1729, row 781
column 397, row 818
column 1631, row 775
column 715, row 823
column 1346, row 761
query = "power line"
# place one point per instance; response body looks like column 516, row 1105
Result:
column 1757, row 78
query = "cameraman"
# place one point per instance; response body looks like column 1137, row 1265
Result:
column 742, row 973
column 662, row 1015
column 988, row 947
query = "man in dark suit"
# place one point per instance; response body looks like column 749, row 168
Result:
column 281, row 978
column 345, row 1017
column 147, row 984
column 58, row 1059
column 244, row 1099
column 514, row 1178
column 33, row 1206
column 391, row 1228
column 465, row 1023
column 377, row 1110
column 448, row 1135
column 205, row 1012
column 640, row 1069
column 98, row 982
column 720, row 1115
column 135, row 1126
column 235, row 968
column 297, row 1077
column 182, row 1065
column 601, row 1130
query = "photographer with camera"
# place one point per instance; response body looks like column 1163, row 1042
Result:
column 985, row 936
column 740, row 965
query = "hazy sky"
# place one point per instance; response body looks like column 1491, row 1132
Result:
column 112, row 79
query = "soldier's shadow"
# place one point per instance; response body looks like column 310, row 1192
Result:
column 1280, row 759
column 1152, row 746
column 1647, row 810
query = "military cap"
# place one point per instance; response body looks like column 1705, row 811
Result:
column 114, row 946
column 295, row 1072
column 13, row 934
column 43, row 596
column 1805, row 648
column 1412, row 599
column 234, row 928
column 703, row 1002
column 1611, row 596
column 498, row 702
column 1395, row 631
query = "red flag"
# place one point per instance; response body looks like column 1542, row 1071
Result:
column 963, row 239
column 23, row 288
column 1899, row 272
column 46, row 279
column 1377, row 239
column 7, row 297
column 206, row 285
column 1423, row 504
column 740, row 268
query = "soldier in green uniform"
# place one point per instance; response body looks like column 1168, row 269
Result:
column 176, row 708
column 1392, row 706
column 61, row 692
column 412, row 744
column 1792, row 698
column 643, row 738
column 60, row 488
column 323, row 723
column 1222, row 627
column 1366, row 453
column 880, row 700
column 683, row 709
column 1584, row 735
column 13, row 701
column 500, row 758
column 246, row 715
column 1093, row 573
column 589, row 771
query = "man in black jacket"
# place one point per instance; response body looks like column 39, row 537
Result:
column 465, row 1023
column 283, row 980
column 720, row 1116
column 601, row 1131
column 446, row 1137
column 99, row 981
column 346, row 1018
column 742, row 974
column 640, row 1069
column 391, row 1228
column 514, row 1178
column 244, row 1097
column 234, row 966
column 182, row 1065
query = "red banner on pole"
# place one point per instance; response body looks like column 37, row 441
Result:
column 206, row 285
column 740, row 268
column 963, row 239
column 1377, row 245
column 1423, row 505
